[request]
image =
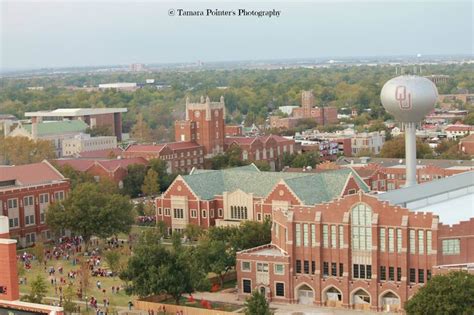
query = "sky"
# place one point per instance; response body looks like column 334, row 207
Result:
column 36, row 34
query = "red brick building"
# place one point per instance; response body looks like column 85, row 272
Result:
column 269, row 148
column 355, row 251
column 179, row 156
column 227, row 197
column 115, row 170
column 25, row 193
column 9, row 289
column 233, row 130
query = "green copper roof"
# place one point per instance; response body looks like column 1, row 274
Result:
column 311, row 188
column 58, row 127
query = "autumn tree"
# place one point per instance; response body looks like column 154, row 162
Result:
column 141, row 131
column 22, row 150
column 151, row 185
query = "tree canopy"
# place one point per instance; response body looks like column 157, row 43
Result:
column 22, row 150
column 256, row 304
column 88, row 211
column 448, row 294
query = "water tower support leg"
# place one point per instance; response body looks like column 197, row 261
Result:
column 410, row 151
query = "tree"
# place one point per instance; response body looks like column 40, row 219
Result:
column 22, row 150
column 448, row 294
column 155, row 269
column 39, row 251
column 68, row 304
column 151, row 185
column 218, row 256
column 141, row 131
column 256, row 304
column 75, row 177
column 98, row 131
column 395, row 148
column 87, row 211
column 193, row 231
column 133, row 182
column 262, row 166
column 112, row 258
column 305, row 159
column 469, row 119
column 39, row 288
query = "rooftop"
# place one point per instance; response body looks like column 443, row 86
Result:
column 29, row 174
column 58, row 127
column 83, row 165
column 310, row 188
column 451, row 198
column 74, row 112
column 387, row 162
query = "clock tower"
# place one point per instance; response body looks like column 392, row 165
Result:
column 204, row 125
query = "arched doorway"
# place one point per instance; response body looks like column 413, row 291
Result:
column 361, row 300
column 305, row 294
column 263, row 291
column 333, row 297
column 390, row 302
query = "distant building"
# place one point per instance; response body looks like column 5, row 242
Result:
column 137, row 67
column 110, row 118
column 122, row 86
column 26, row 191
column 459, row 130
column 438, row 78
column 85, row 143
column 371, row 142
column 179, row 156
column 113, row 169
column 321, row 115
column 54, row 131
column 466, row 144
column 233, row 130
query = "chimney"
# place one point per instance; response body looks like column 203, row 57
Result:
column 9, row 289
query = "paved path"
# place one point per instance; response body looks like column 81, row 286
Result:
column 281, row 309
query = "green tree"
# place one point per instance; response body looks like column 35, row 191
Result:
column 75, row 177
column 38, row 251
column 262, row 166
column 68, row 301
column 448, row 294
column 39, row 288
column 88, row 211
column 395, row 148
column 112, row 258
column 133, row 182
column 256, row 304
column 305, row 159
column 98, row 131
column 151, row 185
column 469, row 119
column 155, row 269
column 193, row 231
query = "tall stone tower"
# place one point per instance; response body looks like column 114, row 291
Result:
column 9, row 289
column 204, row 124
column 307, row 103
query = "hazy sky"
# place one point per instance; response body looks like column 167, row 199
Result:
column 79, row 33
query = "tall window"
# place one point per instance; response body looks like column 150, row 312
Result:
column 421, row 242
column 341, row 236
column 238, row 212
column 333, row 236
column 428, row 242
column 361, row 220
column 298, row 234
column 412, row 241
column 399, row 240
column 305, row 235
column 382, row 239
column 391, row 240
column 178, row 213
column 325, row 236
column 313, row 235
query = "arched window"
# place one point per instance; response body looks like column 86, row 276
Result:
column 361, row 227
column 245, row 213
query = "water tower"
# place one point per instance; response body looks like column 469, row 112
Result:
column 409, row 98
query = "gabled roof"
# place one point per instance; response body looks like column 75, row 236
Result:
column 30, row 174
column 58, row 127
column 311, row 188
column 106, row 154
column 156, row 148
column 83, row 165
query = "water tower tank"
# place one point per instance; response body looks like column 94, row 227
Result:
column 409, row 98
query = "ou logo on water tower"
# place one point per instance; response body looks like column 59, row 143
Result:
column 403, row 97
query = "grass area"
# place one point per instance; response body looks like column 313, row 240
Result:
column 120, row 299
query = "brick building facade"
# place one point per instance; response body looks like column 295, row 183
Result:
column 355, row 251
column 25, row 193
